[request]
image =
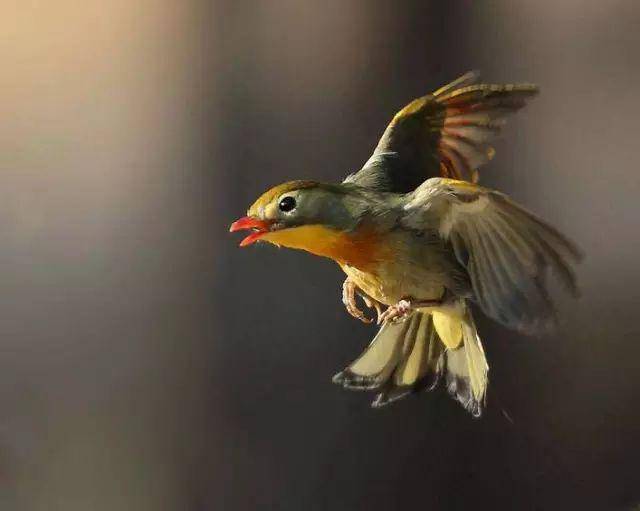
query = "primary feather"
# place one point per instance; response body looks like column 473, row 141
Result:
column 505, row 249
column 447, row 133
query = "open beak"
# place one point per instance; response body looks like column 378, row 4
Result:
column 259, row 227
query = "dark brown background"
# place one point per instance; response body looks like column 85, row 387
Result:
column 146, row 363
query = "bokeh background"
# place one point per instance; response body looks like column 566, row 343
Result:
column 146, row 363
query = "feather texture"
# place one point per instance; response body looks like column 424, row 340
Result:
column 505, row 249
column 446, row 133
column 409, row 357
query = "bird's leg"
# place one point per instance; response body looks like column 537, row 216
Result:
column 349, row 291
column 401, row 310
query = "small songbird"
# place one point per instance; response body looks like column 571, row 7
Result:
column 420, row 240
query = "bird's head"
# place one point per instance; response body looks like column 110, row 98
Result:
column 287, row 213
column 306, row 215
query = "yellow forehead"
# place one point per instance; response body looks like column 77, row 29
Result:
column 275, row 192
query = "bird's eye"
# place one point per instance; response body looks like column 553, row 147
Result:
column 287, row 204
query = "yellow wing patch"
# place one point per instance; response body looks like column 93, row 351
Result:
column 412, row 108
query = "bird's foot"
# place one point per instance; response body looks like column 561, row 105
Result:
column 396, row 313
column 403, row 309
column 349, row 292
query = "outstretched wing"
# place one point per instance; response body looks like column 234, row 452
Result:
column 446, row 133
column 505, row 249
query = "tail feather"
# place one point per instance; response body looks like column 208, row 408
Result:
column 467, row 369
column 376, row 364
column 408, row 357
column 422, row 365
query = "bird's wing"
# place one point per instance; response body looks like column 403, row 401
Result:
column 505, row 249
column 446, row 133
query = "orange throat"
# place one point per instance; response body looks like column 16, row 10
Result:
column 360, row 249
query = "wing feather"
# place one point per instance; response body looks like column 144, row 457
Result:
column 445, row 133
column 506, row 250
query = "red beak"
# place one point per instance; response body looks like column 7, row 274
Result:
column 260, row 228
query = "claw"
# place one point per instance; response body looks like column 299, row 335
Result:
column 396, row 313
column 401, row 310
column 349, row 300
column 349, row 292
column 372, row 304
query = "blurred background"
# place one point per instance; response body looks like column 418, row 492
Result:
column 146, row 363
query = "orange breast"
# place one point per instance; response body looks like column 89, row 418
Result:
column 360, row 249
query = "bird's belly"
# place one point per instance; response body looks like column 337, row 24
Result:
column 391, row 282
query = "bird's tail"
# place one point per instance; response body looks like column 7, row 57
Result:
column 426, row 349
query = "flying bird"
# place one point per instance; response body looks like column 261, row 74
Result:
column 420, row 241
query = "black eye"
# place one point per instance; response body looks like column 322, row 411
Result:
column 287, row 204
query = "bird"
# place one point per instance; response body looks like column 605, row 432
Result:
column 422, row 243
